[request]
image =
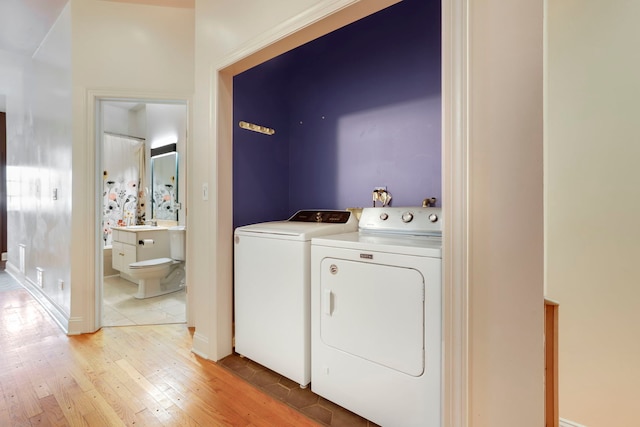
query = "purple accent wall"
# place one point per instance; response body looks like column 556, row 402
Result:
column 353, row 110
column 261, row 162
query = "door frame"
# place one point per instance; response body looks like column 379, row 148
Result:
column 94, row 132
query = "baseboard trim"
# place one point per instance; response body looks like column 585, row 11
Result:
column 56, row 312
column 567, row 423
column 200, row 345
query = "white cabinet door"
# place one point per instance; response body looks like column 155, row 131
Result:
column 117, row 255
column 128, row 258
column 122, row 255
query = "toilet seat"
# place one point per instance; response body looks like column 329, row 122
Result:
column 156, row 262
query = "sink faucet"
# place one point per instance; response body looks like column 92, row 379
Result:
column 151, row 222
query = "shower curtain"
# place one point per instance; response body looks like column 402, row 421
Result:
column 123, row 183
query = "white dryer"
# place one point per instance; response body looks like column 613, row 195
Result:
column 376, row 317
column 272, row 286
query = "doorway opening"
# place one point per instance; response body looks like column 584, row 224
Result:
column 140, row 181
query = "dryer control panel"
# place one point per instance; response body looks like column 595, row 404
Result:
column 402, row 220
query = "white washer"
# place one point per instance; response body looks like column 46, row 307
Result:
column 272, row 289
column 376, row 317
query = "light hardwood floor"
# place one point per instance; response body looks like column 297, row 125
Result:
column 132, row 375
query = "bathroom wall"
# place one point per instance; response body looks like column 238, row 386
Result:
column 125, row 118
column 356, row 118
column 168, row 122
column 157, row 123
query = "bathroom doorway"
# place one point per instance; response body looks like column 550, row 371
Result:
column 141, row 162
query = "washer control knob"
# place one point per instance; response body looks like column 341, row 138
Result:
column 384, row 216
column 407, row 217
column 433, row 217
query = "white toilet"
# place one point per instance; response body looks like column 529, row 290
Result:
column 161, row 276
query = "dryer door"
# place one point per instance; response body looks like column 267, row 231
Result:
column 375, row 312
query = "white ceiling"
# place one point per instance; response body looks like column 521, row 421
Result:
column 25, row 23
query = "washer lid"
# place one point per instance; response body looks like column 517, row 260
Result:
column 301, row 227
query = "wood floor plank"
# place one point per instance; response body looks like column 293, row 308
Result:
column 130, row 386
column 139, row 379
column 52, row 411
column 37, row 380
column 39, row 420
column 180, row 418
column 27, row 395
column 127, row 376
column 17, row 411
column 5, row 417
column 103, row 410
column 122, row 392
column 112, row 401
column 202, row 416
column 67, row 401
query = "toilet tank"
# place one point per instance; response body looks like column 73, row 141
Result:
column 177, row 242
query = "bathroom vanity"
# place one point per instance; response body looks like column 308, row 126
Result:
column 137, row 243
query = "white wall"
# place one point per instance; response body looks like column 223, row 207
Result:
column 506, row 361
column 11, row 66
column 39, row 160
column 124, row 119
column 592, row 206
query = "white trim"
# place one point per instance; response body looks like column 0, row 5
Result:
column 292, row 25
column 93, row 297
column 455, row 206
column 200, row 342
column 567, row 423
column 57, row 313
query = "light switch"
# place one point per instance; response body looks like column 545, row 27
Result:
column 205, row 191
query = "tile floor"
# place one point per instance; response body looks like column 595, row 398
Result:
column 121, row 308
column 303, row 399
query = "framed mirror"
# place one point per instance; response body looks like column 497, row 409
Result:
column 164, row 183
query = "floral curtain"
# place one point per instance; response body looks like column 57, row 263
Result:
column 123, row 178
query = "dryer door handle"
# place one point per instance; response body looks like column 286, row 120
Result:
column 327, row 300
